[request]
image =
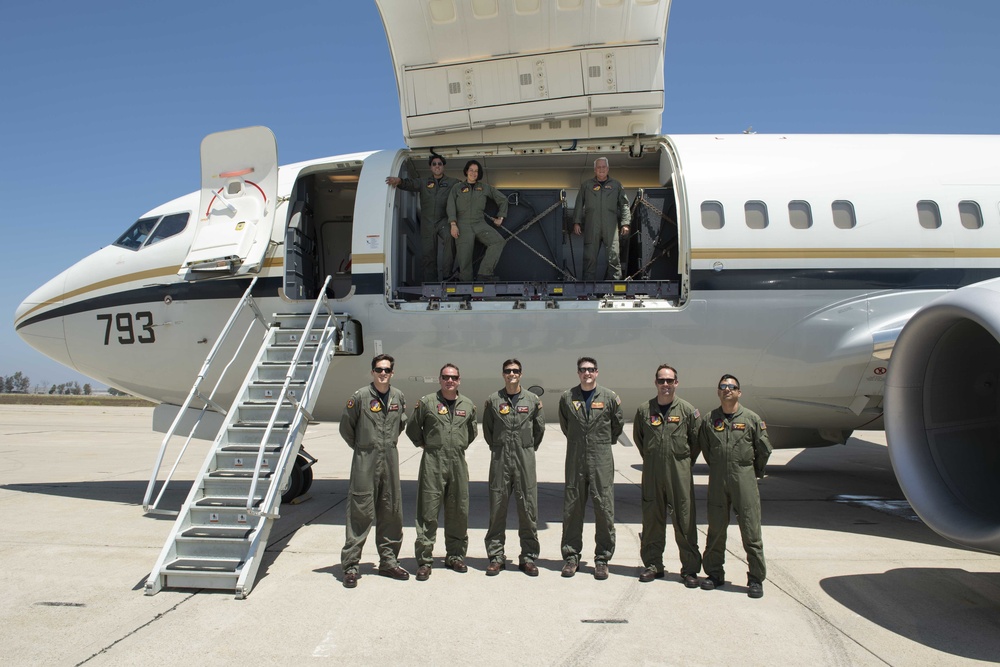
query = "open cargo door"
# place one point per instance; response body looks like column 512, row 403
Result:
column 490, row 71
column 239, row 187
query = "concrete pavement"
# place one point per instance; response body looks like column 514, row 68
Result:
column 850, row 581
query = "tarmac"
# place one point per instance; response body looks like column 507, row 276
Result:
column 854, row 578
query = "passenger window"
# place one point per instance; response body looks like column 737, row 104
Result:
column 928, row 214
column 756, row 214
column 843, row 214
column 170, row 225
column 970, row 214
column 712, row 216
column 800, row 214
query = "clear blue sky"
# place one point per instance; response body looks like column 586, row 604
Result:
column 104, row 104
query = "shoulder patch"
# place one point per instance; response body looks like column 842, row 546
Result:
column 763, row 426
column 350, row 403
column 697, row 415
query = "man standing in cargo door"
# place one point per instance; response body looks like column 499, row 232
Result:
column 601, row 209
column 434, row 226
column 591, row 419
column 443, row 424
column 372, row 422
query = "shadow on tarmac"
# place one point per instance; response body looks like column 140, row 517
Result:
column 799, row 494
column 912, row 603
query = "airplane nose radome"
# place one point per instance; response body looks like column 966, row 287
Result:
column 36, row 325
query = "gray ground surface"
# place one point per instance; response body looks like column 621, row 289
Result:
column 848, row 583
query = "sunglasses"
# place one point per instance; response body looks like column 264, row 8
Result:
column 380, row 370
column 586, row 369
column 666, row 381
column 728, row 385
column 453, row 378
column 512, row 371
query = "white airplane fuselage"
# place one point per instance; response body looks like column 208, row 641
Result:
column 799, row 264
column 794, row 313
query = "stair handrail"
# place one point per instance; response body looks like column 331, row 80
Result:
column 321, row 300
column 245, row 300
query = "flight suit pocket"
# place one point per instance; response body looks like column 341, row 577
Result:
column 679, row 446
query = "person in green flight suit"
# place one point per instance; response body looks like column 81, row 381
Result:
column 513, row 425
column 734, row 442
column 372, row 422
column 665, row 431
column 602, row 214
column 466, row 208
column 591, row 419
column 443, row 424
column 434, row 191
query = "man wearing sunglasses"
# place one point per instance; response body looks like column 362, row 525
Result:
column 513, row 425
column 591, row 419
column 372, row 421
column 443, row 424
column 665, row 431
column 736, row 447
column 434, row 228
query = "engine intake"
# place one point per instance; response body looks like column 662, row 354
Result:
column 942, row 415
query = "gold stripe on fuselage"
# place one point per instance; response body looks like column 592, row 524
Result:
column 844, row 253
column 148, row 274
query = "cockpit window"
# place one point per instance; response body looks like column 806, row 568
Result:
column 170, row 225
column 147, row 231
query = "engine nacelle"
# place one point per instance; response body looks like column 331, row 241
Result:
column 942, row 415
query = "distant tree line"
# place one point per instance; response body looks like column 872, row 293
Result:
column 72, row 389
column 19, row 383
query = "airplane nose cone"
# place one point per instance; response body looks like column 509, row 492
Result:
column 38, row 323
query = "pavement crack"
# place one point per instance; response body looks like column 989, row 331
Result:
column 136, row 630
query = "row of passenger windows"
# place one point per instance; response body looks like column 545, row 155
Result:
column 800, row 214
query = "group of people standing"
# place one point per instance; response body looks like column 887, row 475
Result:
column 453, row 214
column 668, row 431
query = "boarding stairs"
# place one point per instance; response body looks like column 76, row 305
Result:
column 222, row 529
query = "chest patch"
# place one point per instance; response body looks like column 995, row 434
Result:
column 655, row 420
column 674, row 419
column 739, row 427
column 523, row 409
column 394, row 407
column 505, row 409
column 597, row 405
column 442, row 409
column 375, row 406
column 460, row 413
column 719, row 425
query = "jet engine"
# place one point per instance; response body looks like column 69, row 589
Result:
column 942, row 414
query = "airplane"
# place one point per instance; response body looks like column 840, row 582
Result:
column 799, row 263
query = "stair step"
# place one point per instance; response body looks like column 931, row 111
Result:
column 238, row 473
column 207, row 566
column 214, row 532
column 249, row 449
column 227, row 502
